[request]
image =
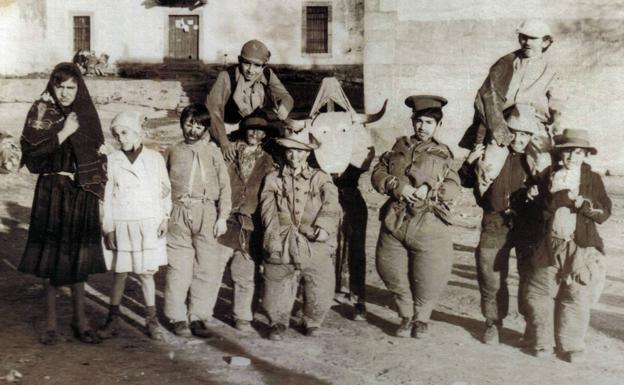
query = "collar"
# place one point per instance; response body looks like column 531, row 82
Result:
column 306, row 173
column 261, row 79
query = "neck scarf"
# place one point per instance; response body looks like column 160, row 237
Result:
column 87, row 140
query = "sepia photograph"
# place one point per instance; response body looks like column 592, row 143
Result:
column 311, row 192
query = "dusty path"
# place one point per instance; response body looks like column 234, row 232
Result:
column 345, row 353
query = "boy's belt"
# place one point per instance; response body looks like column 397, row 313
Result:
column 188, row 201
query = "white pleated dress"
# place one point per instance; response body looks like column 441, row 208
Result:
column 136, row 200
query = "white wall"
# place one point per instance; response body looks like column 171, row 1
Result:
column 446, row 47
column 33, row 41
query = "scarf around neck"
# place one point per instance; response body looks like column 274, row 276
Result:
column 87, row 140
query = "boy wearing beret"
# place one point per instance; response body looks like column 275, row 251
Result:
column 241, row 89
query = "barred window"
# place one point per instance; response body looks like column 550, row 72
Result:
column 316, row 31
column 82, row 33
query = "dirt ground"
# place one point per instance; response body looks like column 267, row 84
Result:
column 346, row 352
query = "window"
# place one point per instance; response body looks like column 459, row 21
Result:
column 82, row 33
column 316, row 29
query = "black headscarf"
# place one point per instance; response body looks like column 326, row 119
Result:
column 87, row 140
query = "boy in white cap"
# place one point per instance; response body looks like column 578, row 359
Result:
column 524, row 76
column 509, row 222
column 300, row 210
column 567, row 262
column 243, row 88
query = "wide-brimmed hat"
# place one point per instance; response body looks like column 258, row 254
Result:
column 302, row 140
column 255, row 51
column 258, row 120
column 534, row 28
column 574, row 138
column 521, row 117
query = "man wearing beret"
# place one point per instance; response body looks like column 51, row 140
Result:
column 414, row 250
column 241, row 89
column 524, row 76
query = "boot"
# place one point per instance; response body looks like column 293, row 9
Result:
column 405, row 328
column 151, row 324
column 419, row 330
column 111, row 327
column 277, row 332
column 491, row 334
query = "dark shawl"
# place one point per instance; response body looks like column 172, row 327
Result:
column 86, row 141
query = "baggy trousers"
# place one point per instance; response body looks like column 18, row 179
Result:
column 550, row 298
column 281, row 282
column 196, row 262
column 492, row 259
column 416, row 265
column 243, row 270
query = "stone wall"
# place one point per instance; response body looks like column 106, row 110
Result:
column 162, row 95
column 446, row 47
column 37, row 34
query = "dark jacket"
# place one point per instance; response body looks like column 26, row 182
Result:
column 586, row 233
column 246, row 194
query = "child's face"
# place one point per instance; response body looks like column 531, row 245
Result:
column 573, row 157
column 296, row 158
column 520, row 141
column 128, row 138
column 192, row 130
column 254, row 137
column 424, row 127
column 250, row 70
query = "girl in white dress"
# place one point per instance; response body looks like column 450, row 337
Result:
column 137, row 203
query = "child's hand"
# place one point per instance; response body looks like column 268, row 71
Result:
column 476, row 153
column 532, row 192
column 220, row 228
column 110, row 241
column 162, row 229
column 320, row 235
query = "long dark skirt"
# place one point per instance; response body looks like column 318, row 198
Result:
column 65, row 235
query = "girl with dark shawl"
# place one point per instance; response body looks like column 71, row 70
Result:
column 61, row 142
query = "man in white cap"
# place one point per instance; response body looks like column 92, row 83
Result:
column 243, row 88
column 510, row 219
column 300, row 212
column 524, row 76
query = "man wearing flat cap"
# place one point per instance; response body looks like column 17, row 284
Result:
column 510, row 221
column 414, row 251
column 524, row 76
column 241, row 89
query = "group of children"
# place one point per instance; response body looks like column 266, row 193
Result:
column 199, row 212
column 192, row 211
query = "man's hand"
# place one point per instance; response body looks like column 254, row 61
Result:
column 162, row 228
column 281, row 112
column 110, row 241
column 229, row 151
column 220, row 228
